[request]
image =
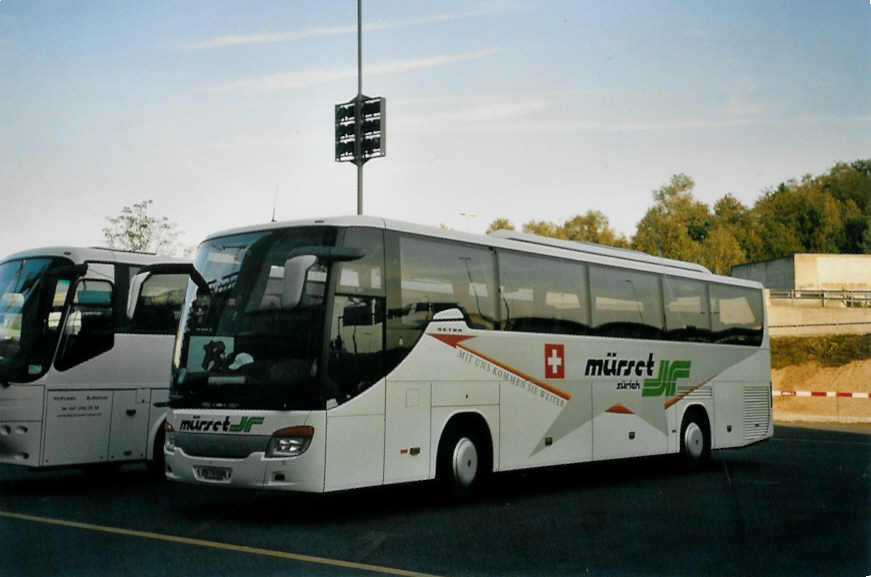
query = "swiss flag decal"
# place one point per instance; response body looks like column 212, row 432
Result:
column 554, row 361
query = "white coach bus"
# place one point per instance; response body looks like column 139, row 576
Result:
column 349, row 352
column 78, row 379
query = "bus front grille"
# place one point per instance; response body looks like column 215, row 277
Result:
column 220, row 446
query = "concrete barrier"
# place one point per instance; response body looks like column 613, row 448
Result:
column 807, row 318
column 822, row 409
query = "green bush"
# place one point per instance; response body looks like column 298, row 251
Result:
column 832, row 351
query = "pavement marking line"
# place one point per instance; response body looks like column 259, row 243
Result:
column 217, row 545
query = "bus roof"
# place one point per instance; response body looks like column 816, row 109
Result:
column 79, row 255
column 599, row 249
column 513, row 240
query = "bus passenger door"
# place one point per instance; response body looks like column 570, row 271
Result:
column 355, row 426
column 77, row 420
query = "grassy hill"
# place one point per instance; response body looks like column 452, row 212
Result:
column 829, row 351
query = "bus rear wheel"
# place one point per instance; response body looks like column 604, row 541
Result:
column 695, row 438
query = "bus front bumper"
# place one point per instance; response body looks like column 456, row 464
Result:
column 302, row 473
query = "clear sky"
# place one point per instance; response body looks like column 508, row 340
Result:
column 525, row 110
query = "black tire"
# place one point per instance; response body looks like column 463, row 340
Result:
column 157, row 464
column 464, row 461
column 695, row 438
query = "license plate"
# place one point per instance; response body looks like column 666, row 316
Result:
column 213, row 473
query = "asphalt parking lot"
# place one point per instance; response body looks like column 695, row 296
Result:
column 799, row 504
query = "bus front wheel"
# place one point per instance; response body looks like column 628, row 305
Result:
column 157, row 464
column 462, row 461
column 695, row 438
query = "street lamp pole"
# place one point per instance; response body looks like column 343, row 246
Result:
column 359, row 101
column 361, row 123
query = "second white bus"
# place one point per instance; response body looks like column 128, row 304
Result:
column 79, row 381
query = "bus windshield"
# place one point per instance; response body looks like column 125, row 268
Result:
column 237, row 346
column 31, row 305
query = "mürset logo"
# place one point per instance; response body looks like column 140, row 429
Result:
column 197, row 424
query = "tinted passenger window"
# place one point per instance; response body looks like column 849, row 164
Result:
column 365, row 275
column 356, row 344
column 439, row 275
column 686, row 309
column 356, row 359
column 543, row 295
column 159, row 305
column 58, row 300
column 626, row 303
column 89, row 329
column 736, row 315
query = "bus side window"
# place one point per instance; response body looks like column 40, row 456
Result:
column 543, row 295
column 437, row 276
column 736, row 315
column 159, row 305
column 89, row 329
column 428, row 276
column 686, row 310
column 626, row 303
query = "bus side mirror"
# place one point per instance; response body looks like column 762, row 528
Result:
column 146, row 272
column 135, row 290
column 295, row 276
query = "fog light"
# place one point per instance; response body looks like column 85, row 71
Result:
column 290, row 441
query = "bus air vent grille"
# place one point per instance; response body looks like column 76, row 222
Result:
column 757, row 412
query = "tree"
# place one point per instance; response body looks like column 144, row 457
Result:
column 500, row 224
column 134, row 229
column 736, row 218
column 676, row 225
column 590, row 227
column 828, row 213
column 851, row 186
column 804, row 216
column 721, row 250
column 593, row 227
column 543, row 228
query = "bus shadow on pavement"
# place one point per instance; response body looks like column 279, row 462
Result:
column 282, row 508
column 101, row 478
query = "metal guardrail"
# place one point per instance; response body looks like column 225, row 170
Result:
column 850, row 298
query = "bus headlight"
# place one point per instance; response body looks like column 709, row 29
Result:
column 169, row 437
column 290, row 441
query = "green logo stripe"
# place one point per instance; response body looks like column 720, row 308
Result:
column 665, row 382
column 244, row 426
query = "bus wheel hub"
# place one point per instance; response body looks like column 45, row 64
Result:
column 694, row 440
column 465, row 462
